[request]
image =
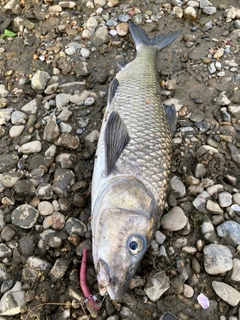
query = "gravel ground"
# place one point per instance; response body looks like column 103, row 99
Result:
column 54, row 74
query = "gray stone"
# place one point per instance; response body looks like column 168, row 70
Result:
column 75, row 226
column 200, row 202
column 12, row 301
column 3, row 273
column 209, row 232
column 156, row 285
column 100, row 37
column 230, row 231
column 3, row 91
column 27, row 244
column 9, row 179
column 25, row 216
column 59, row 269
column 177, row 187
column 226, row 293
column 215, row 189
column 200, row 170
column 39, row 264
column 217, row 259
column 85, row 52
column 39, row 80
column 65, row 114
column 160, row 237
column 235, row 153
column 24, row 188
column 5, row 252
column 31, row 107
column 44, row 191
column 7, row 233
column 63, row 179
column 8, row 161
column 81, row 68
column 235, row 275
column 174, row 220
column 7, row 285
column 45, row 208
column 16, row 131
column 62, row 99
column 211, row 67
column 209, row 10
column 51, row 131
column 224, row 199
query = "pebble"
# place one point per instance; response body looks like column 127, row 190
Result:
column 18, row 117
column 217, row 259
column 12, row 301
column 9, row 179
column 156, row 285
column 177, row 187
column 68, row 141
column 45, row 208
column 209, row 10
column 63, row 179
column 91, row 23
column 200, row 201
column 55, row 220
column 230, row 231
column 30, row 147
column 5, row 115
column 16, row 131
column 190, row 13
column 174, row 220
column 226, row 293
column 58, row 270
column 122, row 29
column 5, row 252
column 44, row 191
column 25, row 216
column 3, row 91
column 75, row 226
column 212, row 68
column 39, row 80
column 213, row 207
column 224, row 199
column 31, row 107
column 235, row 274
column 51, row 131
column 188, row 291
column 85, row 52
column 209, row 232
column 62, row 100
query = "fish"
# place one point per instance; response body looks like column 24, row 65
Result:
column 131, row 168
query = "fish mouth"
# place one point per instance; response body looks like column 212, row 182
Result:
column 111, row 285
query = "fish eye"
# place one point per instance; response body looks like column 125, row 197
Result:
column 136, row 244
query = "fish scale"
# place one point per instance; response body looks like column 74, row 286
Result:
column 146, row 122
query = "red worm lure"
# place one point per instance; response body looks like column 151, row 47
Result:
column 83, row 282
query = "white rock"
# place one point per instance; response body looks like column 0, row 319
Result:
column 18, row 117
column 85, row 52
column 30, row 147
column 62, row 99
column 156, row 285
column 65, row 114
column 12, row 301
column 31, row 107
column 92, row 23
column 45, row 208
column 188, row 291
column 173, row 101
column 70, row 51
column 51, row 151
column 226, row 293
column 16, row 131
column 3, row 91
column 99, row 3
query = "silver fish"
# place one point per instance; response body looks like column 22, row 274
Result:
column 132, row 167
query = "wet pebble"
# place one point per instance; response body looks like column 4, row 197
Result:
column 12, row 301
column 230, row 231
column 75, row 226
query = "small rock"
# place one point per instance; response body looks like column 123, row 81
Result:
column 156, row 285
column 235, row 275
column 188, row 291
column 58, row 270
column 16, row 131
column 9, row 179
column 63, row 179
column 51, row 131
column 226, row 292
column 230, row 231
column 122, row 29
column 174, row 220
column 39, row 264
column 200, row 170
column 68, row 141
column 31, row 107
column 62, row 99
column 3, row 91
column 45, row 208
column 44, row 191
column 39, row 80
column 224, row 199
column 211, row 67
column 5, row 252
column 200, row 202
column 75, row 226
column 25, row 216
column 217, row 259
column 85, row 52
column 213, row 207
column 235, row 153
column 190, row 14
column 177, row 187
column 12, row 301
column 18, row 117
column 209, row 10
column 209, row 231
column 100, row 37
column 30, row 147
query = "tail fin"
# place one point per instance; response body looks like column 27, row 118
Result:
column 140, row 37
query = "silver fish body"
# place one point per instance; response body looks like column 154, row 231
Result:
column 131, row 170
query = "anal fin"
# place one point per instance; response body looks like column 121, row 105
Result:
column 116, row 139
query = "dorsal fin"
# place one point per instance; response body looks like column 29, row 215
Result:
column 112, row 90
column 116, row 139
column 171, row 115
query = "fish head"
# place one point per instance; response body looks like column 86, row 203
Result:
column 123, row 228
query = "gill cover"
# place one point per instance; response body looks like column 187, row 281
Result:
column 124, row 221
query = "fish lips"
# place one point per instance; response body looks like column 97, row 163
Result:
column 112, row 285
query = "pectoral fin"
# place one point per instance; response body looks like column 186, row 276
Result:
column 112, row 90
column 171, row 115
column 116, row 139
